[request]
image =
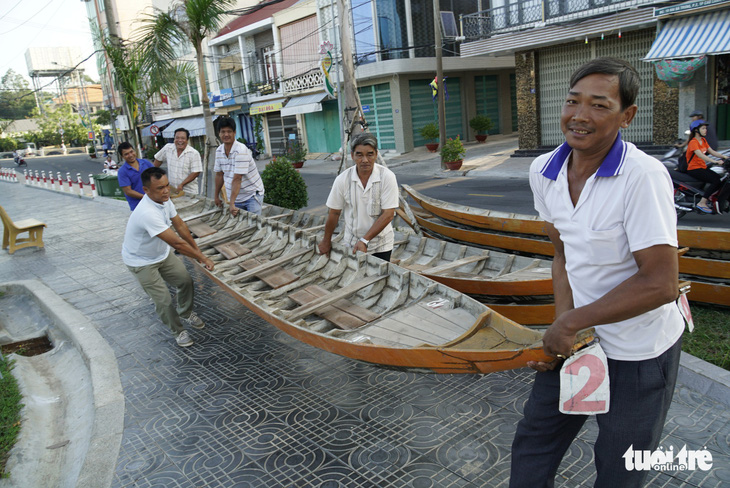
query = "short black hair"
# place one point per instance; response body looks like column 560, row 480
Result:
column 187, row 132
column 151, row 173
column 628, row 78
column 222, row 122
column 123, row 146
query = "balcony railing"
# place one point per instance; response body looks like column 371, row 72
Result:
column 313, row 79
column 532, row 13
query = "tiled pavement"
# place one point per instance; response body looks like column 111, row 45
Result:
column 248, row 406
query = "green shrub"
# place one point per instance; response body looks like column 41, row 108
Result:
column 8, row 144
column 283, row 185
column 481, row 124
column 430, row 132
column 10, row 407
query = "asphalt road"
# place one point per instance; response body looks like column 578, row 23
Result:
column 494, row 192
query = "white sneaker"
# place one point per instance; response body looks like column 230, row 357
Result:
column 183, row 339
column 193, row 321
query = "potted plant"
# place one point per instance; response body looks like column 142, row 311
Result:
column 296, row 153
column 481, row 125
column 91, row 149
column 453, row 152
column 430, row 132
column 284, row 185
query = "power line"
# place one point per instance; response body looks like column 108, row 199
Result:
column 26, row 21
column 13, row 8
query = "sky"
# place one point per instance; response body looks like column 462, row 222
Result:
column 43, row 23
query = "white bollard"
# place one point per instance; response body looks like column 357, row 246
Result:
column 53, row 181
column 45, row 181
column 70, row 184
column 94, row 193
column 25, row 174
column 81, row 184
column 60, row 182
column 37, row 178
column 15, row 176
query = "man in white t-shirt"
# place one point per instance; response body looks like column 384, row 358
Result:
column 148, row 242
column 183, row 163
column 609, row 213
column 368, row 194
column 236, row 169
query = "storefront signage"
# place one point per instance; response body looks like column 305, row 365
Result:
column 266, row 107
column 684, row 7
column 365, row 109
column 221, row 98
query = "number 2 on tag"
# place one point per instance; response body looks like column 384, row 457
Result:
column 583, row 376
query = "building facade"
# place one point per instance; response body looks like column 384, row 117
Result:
column 550, row 39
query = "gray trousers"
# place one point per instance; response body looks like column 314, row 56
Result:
column 641, row 393
column 153, row 279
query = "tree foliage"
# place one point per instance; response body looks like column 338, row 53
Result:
column 283, row 185
column 16, row 97
column 57, row 118
column 188, row 21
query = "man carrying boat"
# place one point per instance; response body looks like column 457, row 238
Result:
column 609, row 213
column 368, row 194
column 146, row 252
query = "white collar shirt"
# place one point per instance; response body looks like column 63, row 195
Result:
column 626, row 206
column 141, row 246
column 239, row 162
column 180, row 167
column 362, row 206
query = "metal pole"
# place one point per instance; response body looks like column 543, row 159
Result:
column 439, row 76
column 337, row 64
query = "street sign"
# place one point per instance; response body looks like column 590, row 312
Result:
column 365, row 109
column 154, row 130
column 91, row 135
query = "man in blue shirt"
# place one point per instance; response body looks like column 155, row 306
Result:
column 129, row 175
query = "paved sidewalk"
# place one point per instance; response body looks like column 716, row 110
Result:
column 249, row 406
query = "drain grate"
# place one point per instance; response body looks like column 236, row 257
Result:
column 30, row 347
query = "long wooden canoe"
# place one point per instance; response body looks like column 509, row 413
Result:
column 693, row 237
column 357, row 305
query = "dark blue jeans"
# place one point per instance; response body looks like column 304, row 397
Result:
column 641, row 393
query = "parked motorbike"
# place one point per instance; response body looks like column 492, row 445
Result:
column 688, row 191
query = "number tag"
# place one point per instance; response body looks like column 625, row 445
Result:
column 584, row 385
column 683, row 305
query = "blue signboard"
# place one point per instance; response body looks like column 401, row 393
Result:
column 221, row 98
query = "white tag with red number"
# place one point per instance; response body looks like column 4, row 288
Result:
column 584, row 386
column 683, row 305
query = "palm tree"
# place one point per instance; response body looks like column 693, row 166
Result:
column 186, row 21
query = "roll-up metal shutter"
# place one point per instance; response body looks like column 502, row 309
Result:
column 378, row 107
column 557, row 63
column 424, row 109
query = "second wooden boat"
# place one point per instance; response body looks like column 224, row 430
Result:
column 357, row 305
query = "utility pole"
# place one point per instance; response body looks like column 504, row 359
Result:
column 439, row 76
column 353, row 109
column 111, row 22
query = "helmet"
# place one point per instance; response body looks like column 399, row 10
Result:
column 697, row 113
column 696, row 124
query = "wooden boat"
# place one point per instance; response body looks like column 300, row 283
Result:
column 356, row 305
column 695, row 238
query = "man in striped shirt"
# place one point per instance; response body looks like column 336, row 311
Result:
column 235, row 167
column 183, row 163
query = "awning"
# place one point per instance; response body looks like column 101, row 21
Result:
column 690, row 37
column 266, row 106
column 304, row 104
column 195, row 125
column 160, row 124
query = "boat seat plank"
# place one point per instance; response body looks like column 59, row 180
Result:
column 458, row 263
column 452, row 319
column 200, row 228
column 274, row 277
column 340, row 318
column 200, row 215
column 346, row 305
column 231, row 250
column 270, row 265
column 412, row 326
column 332, row 297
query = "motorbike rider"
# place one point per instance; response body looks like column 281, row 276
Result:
column 697, row 159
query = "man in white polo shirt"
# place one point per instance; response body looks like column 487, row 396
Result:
column 147, row 253
column 609, row 213
column 368, row 194
column 183, row 163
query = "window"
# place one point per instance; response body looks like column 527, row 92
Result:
column 362, row 22
column 392, row 29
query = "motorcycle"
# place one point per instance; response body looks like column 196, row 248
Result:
column 688, row 191
column 19, row 160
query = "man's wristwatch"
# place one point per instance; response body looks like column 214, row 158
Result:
column 364, row 241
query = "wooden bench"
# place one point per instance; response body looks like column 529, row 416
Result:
column 33, row 227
